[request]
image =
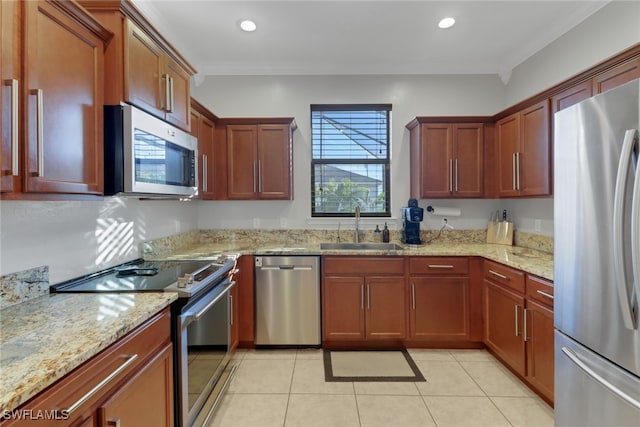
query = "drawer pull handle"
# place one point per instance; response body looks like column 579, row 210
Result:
column 440, row 266
column 90, row 393
column 544, row 294
column 502, row 276
column 516, row 321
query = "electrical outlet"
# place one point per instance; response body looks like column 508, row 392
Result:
column 537, row 225
column 256, row 223
column 283, row 222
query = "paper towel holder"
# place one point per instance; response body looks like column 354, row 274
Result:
column 442, row 211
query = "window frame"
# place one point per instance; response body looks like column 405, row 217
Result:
column 386, row 162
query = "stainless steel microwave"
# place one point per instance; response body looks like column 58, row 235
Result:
column 146, row 156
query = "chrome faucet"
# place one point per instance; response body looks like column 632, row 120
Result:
column 356, row 237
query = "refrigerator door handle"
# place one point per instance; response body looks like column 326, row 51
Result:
column 618, row 231
column 635, row 227
column 621, row 394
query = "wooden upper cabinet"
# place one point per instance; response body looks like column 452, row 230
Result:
column 523, row 158
column 446, row 159
column 617, row 76
column 10, row 149
column 571, row 96
column 62, row 93
column 259, row 161
column 143, row 68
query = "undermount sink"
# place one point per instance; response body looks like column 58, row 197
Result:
column 362, row 246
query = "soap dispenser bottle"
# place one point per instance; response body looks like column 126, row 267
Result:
column 385, row 234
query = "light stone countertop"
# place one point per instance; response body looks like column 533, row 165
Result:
column 43, row 339
column 528, row 260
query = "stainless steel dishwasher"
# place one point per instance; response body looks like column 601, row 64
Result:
column 287, row 300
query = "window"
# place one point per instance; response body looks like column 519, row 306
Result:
column 350, row 160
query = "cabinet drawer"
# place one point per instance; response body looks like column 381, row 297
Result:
column 504, row 275
column 540, row 290
column 439, row 265
column 363, row 265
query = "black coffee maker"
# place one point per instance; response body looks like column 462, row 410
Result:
column 411, row 218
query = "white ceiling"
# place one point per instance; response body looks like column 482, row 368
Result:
column 362, row 37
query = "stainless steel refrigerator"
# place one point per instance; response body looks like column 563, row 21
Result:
column 597, row 260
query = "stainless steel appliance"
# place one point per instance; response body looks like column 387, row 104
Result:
column 597, row 260
column 201, row 322
column 287, row 300
column 145, row 156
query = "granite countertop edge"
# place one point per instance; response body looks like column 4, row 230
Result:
column 46, row 338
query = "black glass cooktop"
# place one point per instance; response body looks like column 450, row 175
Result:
column 137, row 276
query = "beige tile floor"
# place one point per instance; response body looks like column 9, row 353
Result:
column 463, row 388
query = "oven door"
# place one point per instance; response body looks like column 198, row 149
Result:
column 204, row 342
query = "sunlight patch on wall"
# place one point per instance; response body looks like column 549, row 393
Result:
column 114, row 238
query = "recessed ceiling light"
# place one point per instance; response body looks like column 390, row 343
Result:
column 446, row 22
column 248, row 25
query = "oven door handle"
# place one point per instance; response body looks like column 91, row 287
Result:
column 190, row 316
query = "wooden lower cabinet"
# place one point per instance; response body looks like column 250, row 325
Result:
column 363, row 307
column 518, row 325
column 504, row 310
column 439, row 308
column 130, row 381
column 145, row 399
column 540, row 348
column 245, row 301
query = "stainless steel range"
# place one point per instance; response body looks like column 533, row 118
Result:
column 201, row 322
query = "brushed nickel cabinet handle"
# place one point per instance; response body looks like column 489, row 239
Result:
column 517, row 321
column 368, row 296
column 444, row 266
column 255, row 188
column 518, row 171
column 456, row 175
column 167, row 92
column 205, row 173
column 450, row 176
column 524, row 326
column 259, row 176
column 544, row 294
column 502, row 276
column 171, row 99
column 13, row 84
column 513, row 171
column 130, row 359
column 413, row 295
column 362, row 297
column 39, row 128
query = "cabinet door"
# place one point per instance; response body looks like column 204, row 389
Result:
column 385, row 307
column 177, row 112
column 436, row 161
column 245, row 300
column 439, row 308
column 534, row 168
column 9, row 96
column 274, row 167
column 571, row 96
column 540, row 347
column 343, row 302
column 207, row 154
column 235, row 318
column 146, row 399
column 507, row 144
column 617, row 76
column 145, row 82
column 242, row 161
column 468, row 158
column 504, row 325
column 64, row 103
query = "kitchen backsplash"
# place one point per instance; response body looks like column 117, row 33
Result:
column 24, row 285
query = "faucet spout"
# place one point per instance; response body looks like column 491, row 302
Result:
column 356, row 237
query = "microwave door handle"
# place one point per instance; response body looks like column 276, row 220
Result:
column 618, row 231
column 635, row 224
